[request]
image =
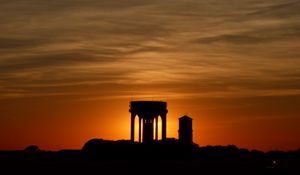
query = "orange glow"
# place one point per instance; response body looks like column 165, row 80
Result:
column 159, row 128
column 70, row 125
column 68, row 75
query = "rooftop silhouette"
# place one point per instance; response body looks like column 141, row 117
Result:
column 148, row 113
column 149, row 155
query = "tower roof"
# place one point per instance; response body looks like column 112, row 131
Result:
column 150, row 107
column 185, row 117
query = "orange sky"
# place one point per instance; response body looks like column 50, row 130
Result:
column 68, row 70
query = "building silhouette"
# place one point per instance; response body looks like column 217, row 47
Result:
column 185, row 131
column 148, row 113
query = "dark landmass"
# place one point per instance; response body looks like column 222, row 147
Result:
column 163, row 157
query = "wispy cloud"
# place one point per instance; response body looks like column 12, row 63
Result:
column 159, row 47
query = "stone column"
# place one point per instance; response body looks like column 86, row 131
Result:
column 156, row 128
column 164, row 126
column 140, row 129
column 132, row 127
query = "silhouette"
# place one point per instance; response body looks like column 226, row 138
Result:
column 147, row 112
column 32, row 149
column 166, row 156
column 185, row 130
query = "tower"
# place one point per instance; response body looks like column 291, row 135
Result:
column 185, row 130
column 148, row 113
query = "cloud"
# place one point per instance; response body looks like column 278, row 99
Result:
column 260, row 35
column 282, row 10
column 159, row 47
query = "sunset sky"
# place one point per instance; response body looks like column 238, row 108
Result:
column 69, row 68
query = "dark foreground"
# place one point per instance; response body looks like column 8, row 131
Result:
column 105, row 157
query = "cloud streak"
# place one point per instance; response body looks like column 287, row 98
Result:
column 185, row 47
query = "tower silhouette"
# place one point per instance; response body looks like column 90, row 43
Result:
column 148, row 113
column 185, row 130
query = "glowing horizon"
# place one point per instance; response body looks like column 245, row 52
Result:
column 68, row 70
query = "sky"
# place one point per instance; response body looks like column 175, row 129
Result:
column 69, row 68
